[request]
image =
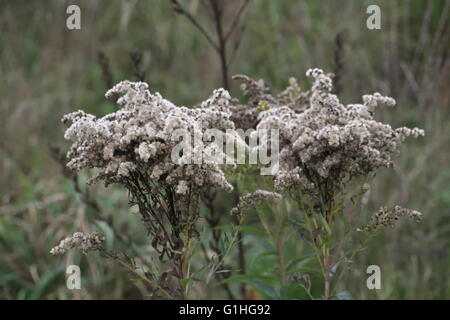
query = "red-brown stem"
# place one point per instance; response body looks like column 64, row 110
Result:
column 222, row 42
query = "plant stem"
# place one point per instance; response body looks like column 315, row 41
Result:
column 281, row 260
column 241, row 260
column 185, row 269
column 326, row 273
column 279, row 244
column 218, row 13
column 153, row 284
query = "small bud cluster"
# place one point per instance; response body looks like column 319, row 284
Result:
column 253, row 199
column 81, row 241
column 384, row 218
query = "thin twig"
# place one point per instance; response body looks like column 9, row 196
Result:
column 218, row 14
column 236, row 19
column 180, row 9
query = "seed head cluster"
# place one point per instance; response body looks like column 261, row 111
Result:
column 253, row 199
column 322, row 145
column 81, row 241
column 322, row 139
column 387, row 218
column 139, row 137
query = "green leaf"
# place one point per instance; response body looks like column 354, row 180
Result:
column 299, row 263
column 267, row 253
column 47, row 280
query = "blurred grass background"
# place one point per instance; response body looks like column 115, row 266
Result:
column 47, row 71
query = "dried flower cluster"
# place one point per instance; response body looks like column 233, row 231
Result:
column 247, row 116
column 81, row 241
column 384, row 218
column 324, row 143
column 162, row 154
column 253, row 199
column 139, row 138
column 320, row 145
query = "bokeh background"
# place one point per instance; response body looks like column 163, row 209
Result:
column 47, row 71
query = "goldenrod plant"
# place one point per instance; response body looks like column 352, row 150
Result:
column 164, row 156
